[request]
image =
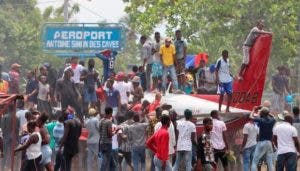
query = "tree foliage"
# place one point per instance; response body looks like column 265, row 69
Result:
column 212, row 26
column 21, row 24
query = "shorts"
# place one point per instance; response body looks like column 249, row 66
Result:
column 246, row 54
column 125, row 155
column 226, row 88
column 180, row 67
column 157, row 69
column 46, row 155
column 220, row 154
column 44, row 106
column 277, row 103
column 89, row 97
column 33, row 164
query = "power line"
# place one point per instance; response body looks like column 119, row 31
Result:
column 91, row 11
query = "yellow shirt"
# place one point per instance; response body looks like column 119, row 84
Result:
column 167, row 54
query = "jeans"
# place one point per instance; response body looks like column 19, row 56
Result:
column 114, row 160
column 92, row 156
column 247, row 157
column 187, row 155
column 262, row 148
column 289, row 160
column 173, row 75
column 138, row 157
column 151, row 157
column 158, row 164
column 105, row 152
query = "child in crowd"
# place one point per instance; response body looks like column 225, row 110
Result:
column 188, row 83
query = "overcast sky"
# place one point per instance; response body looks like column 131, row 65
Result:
column 91, row 10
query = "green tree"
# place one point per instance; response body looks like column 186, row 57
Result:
column 21, row 23
column 129, row 55
column 215, row 25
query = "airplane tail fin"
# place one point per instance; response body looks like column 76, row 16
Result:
column 248, row 92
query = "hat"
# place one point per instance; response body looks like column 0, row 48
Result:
column 47, row 65
column 92, row 111
column 165, row 112
column 136, row 79
column 120, row 76
column 15, row 65
column 282, row 115
column 168, row 39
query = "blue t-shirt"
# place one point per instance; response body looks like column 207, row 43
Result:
column 265, row 125
column 112, row 98
column 58, row 133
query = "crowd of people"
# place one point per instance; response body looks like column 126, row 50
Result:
column 124, row 129
column 152, row 135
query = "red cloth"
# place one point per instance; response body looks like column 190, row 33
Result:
column 159, row 144
column 73, row 66
column 199, row 57
column 154, row 105
column 101, row 95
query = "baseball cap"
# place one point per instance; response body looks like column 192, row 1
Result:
column 15, row 65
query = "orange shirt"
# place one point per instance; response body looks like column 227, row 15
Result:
column 3, row 87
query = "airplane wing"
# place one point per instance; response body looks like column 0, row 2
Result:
column 199, row 106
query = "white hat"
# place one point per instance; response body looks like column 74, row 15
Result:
column 165, row 112
column 136, row 79
column 92, row 111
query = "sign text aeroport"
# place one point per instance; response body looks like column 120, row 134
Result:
column 85, row 38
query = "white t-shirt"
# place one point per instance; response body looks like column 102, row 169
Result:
column 43, row 91
column 285, row 133
column 147, row 52
column 217, row 134
column 77, row 72
column 115, row 144
column 252, row 131
column 172, row 138
column 123, row 88
column 185, row 129
column 224, row 72
column 156, row 55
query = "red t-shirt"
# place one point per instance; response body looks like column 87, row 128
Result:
column 159, row 144
column 137, row 108
column 154, row 105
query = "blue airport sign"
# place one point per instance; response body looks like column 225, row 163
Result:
column 81, row 37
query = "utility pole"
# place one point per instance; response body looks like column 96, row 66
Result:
column 66, row 11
